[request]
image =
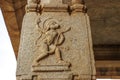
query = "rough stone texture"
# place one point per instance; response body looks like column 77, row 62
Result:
column 104, row 18
column 76, row 48
column 102, row 8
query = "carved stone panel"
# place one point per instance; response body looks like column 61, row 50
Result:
column 55, row 46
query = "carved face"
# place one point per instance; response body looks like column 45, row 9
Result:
column 53, row 25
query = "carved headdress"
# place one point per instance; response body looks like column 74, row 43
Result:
column 48, row 22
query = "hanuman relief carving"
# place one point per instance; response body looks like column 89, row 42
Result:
column 51, row 37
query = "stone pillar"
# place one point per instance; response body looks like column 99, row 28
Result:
column 55, row 42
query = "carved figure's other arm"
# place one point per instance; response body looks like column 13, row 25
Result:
column 60, row 39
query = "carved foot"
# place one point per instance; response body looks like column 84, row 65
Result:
column 61, row 62
column 35, row 64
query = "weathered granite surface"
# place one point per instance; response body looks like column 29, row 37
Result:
column 55, row 42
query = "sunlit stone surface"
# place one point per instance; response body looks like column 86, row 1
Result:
column 55, row 42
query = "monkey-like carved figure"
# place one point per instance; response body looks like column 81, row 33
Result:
column 50, row 38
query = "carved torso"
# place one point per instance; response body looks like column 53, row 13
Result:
column 50, row 36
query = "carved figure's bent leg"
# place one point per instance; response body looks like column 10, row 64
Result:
column 41, row 56
column 43, row 53
column 58, row 54
column 52, row 49
column 59, row 58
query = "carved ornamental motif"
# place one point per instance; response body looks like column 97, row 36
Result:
column 33, row 6
column 65, row 5
column 51, row 37
column 43, row 54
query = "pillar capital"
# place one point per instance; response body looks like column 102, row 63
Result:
column 55, row 6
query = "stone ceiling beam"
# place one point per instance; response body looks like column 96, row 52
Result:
column 11, row 22
column 108, row 69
